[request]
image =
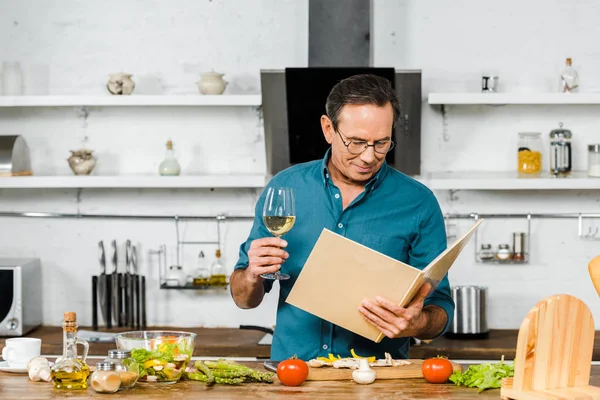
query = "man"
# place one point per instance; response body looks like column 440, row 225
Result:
column 354, row 193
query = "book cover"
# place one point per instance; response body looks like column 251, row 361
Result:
column 339, row 273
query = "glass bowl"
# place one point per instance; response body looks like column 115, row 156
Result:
column 162, row 355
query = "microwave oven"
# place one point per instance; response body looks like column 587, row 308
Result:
column 20, row 296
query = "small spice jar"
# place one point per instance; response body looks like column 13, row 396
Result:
column 105, row 379
column 594, row 160
column 486, row 253
column 503, row 253
column 125, row 366
column 529, row 154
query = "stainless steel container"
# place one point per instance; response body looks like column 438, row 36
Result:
column 470, row 313
column 14, row 156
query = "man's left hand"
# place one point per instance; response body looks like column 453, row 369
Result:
column 394, row 321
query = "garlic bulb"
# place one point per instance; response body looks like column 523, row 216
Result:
column 364, row 374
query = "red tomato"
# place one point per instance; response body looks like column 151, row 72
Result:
column 292, row 372
column 437, row 370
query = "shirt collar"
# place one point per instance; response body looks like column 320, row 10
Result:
column 372, row 184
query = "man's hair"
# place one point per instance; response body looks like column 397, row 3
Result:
column 361, row 89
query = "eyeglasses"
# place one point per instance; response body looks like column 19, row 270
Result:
column 358, row 146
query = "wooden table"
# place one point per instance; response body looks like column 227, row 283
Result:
column 20, row 387
column 232, row 342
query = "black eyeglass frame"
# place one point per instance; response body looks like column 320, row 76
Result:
column 366, row 146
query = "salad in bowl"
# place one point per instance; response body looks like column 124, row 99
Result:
column 162, row 356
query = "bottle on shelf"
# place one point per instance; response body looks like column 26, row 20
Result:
column 569, row 78
column 202, row 273
column 218, row 271
column 170, row 165
column 70, row 372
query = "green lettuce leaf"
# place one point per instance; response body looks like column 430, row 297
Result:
column 483, row 376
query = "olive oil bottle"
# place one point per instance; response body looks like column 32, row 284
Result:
column 218, row 271
column 70, row 372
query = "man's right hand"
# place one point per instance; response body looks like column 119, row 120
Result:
column 265, row 257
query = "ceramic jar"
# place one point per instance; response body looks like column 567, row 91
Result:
column 82, row 162
column 212, row 83
column 120, row 83
column 175, row 276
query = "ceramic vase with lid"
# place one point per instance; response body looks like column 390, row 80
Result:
column 212, row 83
column 120, row 83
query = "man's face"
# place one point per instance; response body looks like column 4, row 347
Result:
column 364, row 123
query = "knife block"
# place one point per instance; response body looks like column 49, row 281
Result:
column 554, row 352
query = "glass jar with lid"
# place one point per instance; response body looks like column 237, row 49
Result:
column 561, row 156
column 529, row 154
column 503, row 253
column 486, row 253
column 594, row 160
column 125, row 366
column 105, row 378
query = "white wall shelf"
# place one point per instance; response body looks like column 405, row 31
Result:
column 513, row 98
column 250, row 100
column 506, row 181
column 135, row 181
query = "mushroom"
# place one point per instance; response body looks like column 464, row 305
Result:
column 39, row 369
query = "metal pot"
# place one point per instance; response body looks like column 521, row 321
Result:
column 470, row 313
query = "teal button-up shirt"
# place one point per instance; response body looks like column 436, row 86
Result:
column 395, row 215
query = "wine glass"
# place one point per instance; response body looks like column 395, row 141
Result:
column 279, row 215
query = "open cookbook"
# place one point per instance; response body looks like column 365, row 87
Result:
column 339, row 273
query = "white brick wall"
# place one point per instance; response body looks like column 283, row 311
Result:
column 70, row 49
column 525, row 43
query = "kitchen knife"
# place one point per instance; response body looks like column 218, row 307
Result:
column 94, row 303
column 136, row 290
column 116, row 288
column 128, row 286
column 102, row 281
column 143, row 301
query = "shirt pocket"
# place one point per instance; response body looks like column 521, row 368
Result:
column 390, row 246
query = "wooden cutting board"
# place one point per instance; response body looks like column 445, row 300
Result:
column 401, row 372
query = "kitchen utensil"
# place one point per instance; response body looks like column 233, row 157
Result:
column 94, row 303
column 412, row 370
column 14, row 156
column 554, row 352
column 102, row 289
column 116, row 287
column 143, row 301
column 561, row 154
column 136, row 282
column 470, row 312
column 128, row 299
column 594, row 270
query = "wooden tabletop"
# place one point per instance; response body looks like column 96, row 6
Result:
column 20, row 387
column 232, row 342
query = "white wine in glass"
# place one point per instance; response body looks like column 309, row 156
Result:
column 279, row 215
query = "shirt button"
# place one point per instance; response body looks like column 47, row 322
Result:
column 340, row 225
column 337, row 196
column 327, row 175
column 325, row 347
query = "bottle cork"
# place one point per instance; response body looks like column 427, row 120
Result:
column 169, row 144
column 70, row 316
column 218, row 253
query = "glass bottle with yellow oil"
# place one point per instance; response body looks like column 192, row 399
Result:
column 218, row 271
column 70, row 372
column 202, row 273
